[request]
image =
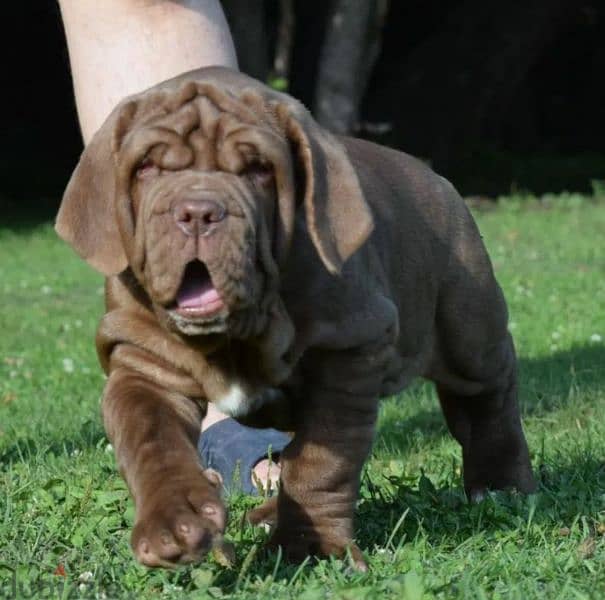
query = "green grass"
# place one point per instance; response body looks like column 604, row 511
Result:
column 63, row 503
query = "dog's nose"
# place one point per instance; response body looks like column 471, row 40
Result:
column 196, row 217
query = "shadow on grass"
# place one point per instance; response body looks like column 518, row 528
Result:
column 570, row 489
column 89, row 436
column 389, row 517
column 552, row 382
column 547, row 384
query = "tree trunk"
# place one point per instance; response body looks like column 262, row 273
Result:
column 285, row 39
column 348, row 54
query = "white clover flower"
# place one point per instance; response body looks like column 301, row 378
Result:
column 68, row 365
column 595, row 338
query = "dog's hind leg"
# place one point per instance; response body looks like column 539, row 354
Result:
column 476, row 375
column 487, row 425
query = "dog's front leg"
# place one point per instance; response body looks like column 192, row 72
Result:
column 179, row 512
column 321, row 467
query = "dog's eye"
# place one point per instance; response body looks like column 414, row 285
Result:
column 261, row 174
column 146, row 169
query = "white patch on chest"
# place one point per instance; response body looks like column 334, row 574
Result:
column 236, row 403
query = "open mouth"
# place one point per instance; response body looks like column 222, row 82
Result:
column 197, row 297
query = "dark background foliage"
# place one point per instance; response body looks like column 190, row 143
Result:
column 496, row 94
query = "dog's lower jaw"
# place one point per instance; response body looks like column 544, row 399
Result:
column 191, row 327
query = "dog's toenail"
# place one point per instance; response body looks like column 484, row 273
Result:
column 208, row 509
column 184, row 528
column 144, row 546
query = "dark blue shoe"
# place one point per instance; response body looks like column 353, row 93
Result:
column 234, row 449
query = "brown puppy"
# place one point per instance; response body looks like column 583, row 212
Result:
column 256, row 261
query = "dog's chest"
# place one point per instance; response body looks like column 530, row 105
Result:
column 239, row 402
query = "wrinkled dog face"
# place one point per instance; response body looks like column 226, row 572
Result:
column 204, row 210
column 200, row 244
column 191, row 185
column 197, row 230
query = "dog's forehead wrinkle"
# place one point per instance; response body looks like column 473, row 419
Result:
column 219, row 133
column 226, row 101
column 204, row 123
column 209, row 114
column 181, row 121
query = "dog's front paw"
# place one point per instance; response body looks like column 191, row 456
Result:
column 180, row 521
column 297, row 545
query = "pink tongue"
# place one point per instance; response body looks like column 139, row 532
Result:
column 196, row 294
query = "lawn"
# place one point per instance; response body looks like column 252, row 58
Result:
column 65, row 512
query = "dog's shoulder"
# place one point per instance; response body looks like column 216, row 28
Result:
column 408, row 199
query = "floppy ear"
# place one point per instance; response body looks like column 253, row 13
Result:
column 339, row 219
column 87, row 216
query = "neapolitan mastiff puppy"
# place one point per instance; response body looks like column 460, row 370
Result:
column 293, row 278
